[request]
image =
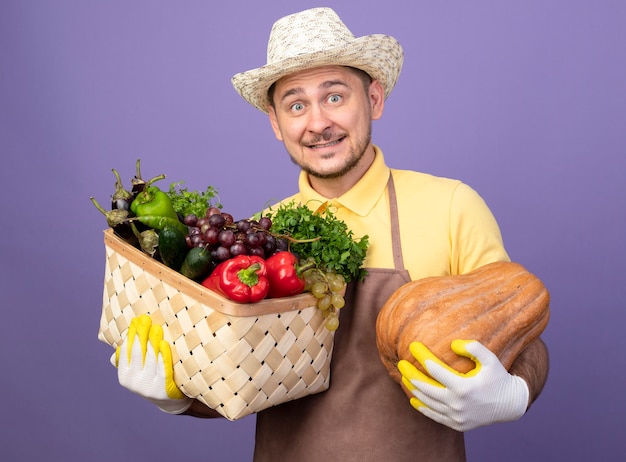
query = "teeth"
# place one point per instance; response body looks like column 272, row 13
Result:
column 332, row 143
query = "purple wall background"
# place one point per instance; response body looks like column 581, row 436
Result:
column 525, row 101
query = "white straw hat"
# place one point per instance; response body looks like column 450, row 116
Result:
column 313, row 38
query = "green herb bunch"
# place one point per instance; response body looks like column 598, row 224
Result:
column 187, row 202
column 332, row 245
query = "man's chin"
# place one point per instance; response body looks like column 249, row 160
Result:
column 329, row 173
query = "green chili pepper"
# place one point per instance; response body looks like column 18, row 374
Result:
column 159, row 222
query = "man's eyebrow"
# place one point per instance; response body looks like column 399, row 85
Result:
column 292, row 91
column 324, row 85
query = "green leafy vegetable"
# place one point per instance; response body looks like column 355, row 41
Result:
column 333, row 245
column 187, row 202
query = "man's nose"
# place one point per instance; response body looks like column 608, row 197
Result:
column 319, row 121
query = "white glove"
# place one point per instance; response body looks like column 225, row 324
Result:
column 485, row 395
column 144, row 366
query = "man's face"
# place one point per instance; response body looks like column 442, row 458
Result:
column 323, row 116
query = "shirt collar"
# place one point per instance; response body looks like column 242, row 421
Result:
column 362, row 197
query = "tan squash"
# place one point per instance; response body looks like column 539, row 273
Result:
column 501, row 305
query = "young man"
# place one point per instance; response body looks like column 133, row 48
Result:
column 322, row 88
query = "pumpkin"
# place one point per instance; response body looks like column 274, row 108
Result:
column 500, row 304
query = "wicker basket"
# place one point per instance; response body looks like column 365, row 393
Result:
column 235, row 358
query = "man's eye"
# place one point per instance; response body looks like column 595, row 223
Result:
column 297, row 107
column 334, row 98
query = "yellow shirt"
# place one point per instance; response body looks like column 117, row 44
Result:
column 445, row 226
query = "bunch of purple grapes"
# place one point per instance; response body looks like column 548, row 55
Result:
column 226, row 238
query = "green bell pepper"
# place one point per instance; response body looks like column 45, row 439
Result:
column 153, row 202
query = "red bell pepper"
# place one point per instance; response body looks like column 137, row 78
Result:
column 283, row 275
column 242, row 279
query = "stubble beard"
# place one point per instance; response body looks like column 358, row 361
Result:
column 356, row 154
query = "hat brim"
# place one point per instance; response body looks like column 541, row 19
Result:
column 379, row 55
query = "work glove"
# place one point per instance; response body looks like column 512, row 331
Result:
column 485, row 395
column 144, row 366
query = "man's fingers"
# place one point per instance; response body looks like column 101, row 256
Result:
column 155, row 337
column 412, row 374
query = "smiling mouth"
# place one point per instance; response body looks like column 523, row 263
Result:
column 326, row 145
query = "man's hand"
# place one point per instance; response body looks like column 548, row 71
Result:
column 144, row 366
column 485, row 395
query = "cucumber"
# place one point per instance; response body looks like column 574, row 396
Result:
column 197, row 263
column 172, row 247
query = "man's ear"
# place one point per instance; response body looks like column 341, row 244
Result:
column 274, row 122
column 376, row 95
